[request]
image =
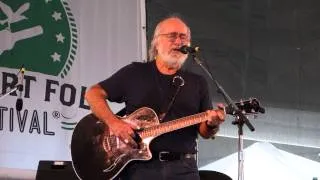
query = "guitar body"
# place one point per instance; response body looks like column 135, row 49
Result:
column 98, row 154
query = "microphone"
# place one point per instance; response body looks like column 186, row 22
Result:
column 188, row 49
column 19, row 103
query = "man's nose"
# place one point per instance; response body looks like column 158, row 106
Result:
column 178, row 40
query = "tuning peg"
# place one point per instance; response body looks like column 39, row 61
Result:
column 241, row 102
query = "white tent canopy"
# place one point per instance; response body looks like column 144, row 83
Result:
column 263, row 161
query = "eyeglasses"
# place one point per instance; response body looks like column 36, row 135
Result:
column 174, row 35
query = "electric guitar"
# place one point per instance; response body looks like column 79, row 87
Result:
column 98, row 154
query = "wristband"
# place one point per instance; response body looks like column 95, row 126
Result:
column 212, row 127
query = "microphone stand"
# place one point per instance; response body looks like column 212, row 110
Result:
column 17, row 87
column 240, row 118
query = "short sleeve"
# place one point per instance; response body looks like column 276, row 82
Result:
column 115, row 86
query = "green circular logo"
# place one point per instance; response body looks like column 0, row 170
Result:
column 41, row 34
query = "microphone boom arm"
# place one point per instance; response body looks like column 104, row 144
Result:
column 240, row 116
column 15, row 88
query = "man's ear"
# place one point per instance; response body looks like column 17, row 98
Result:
column 156, row 42
column 156, row 47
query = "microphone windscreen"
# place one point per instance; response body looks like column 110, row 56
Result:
column 19, row 104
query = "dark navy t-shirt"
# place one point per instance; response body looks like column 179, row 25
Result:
column 142, row 85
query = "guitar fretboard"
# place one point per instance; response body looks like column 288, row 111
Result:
column 180, row 123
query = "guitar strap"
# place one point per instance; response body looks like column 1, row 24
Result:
column 177, row 81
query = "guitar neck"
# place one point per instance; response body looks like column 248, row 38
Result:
column 250, row 106
column 170, row 126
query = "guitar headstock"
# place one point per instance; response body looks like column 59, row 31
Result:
column 247, row 107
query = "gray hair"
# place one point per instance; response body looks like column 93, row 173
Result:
column 153, row 52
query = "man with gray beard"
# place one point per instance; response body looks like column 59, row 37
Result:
column 172, row 93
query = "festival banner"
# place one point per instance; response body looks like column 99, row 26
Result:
column 64, row 47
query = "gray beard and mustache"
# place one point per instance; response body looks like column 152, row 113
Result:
column 173, row 61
